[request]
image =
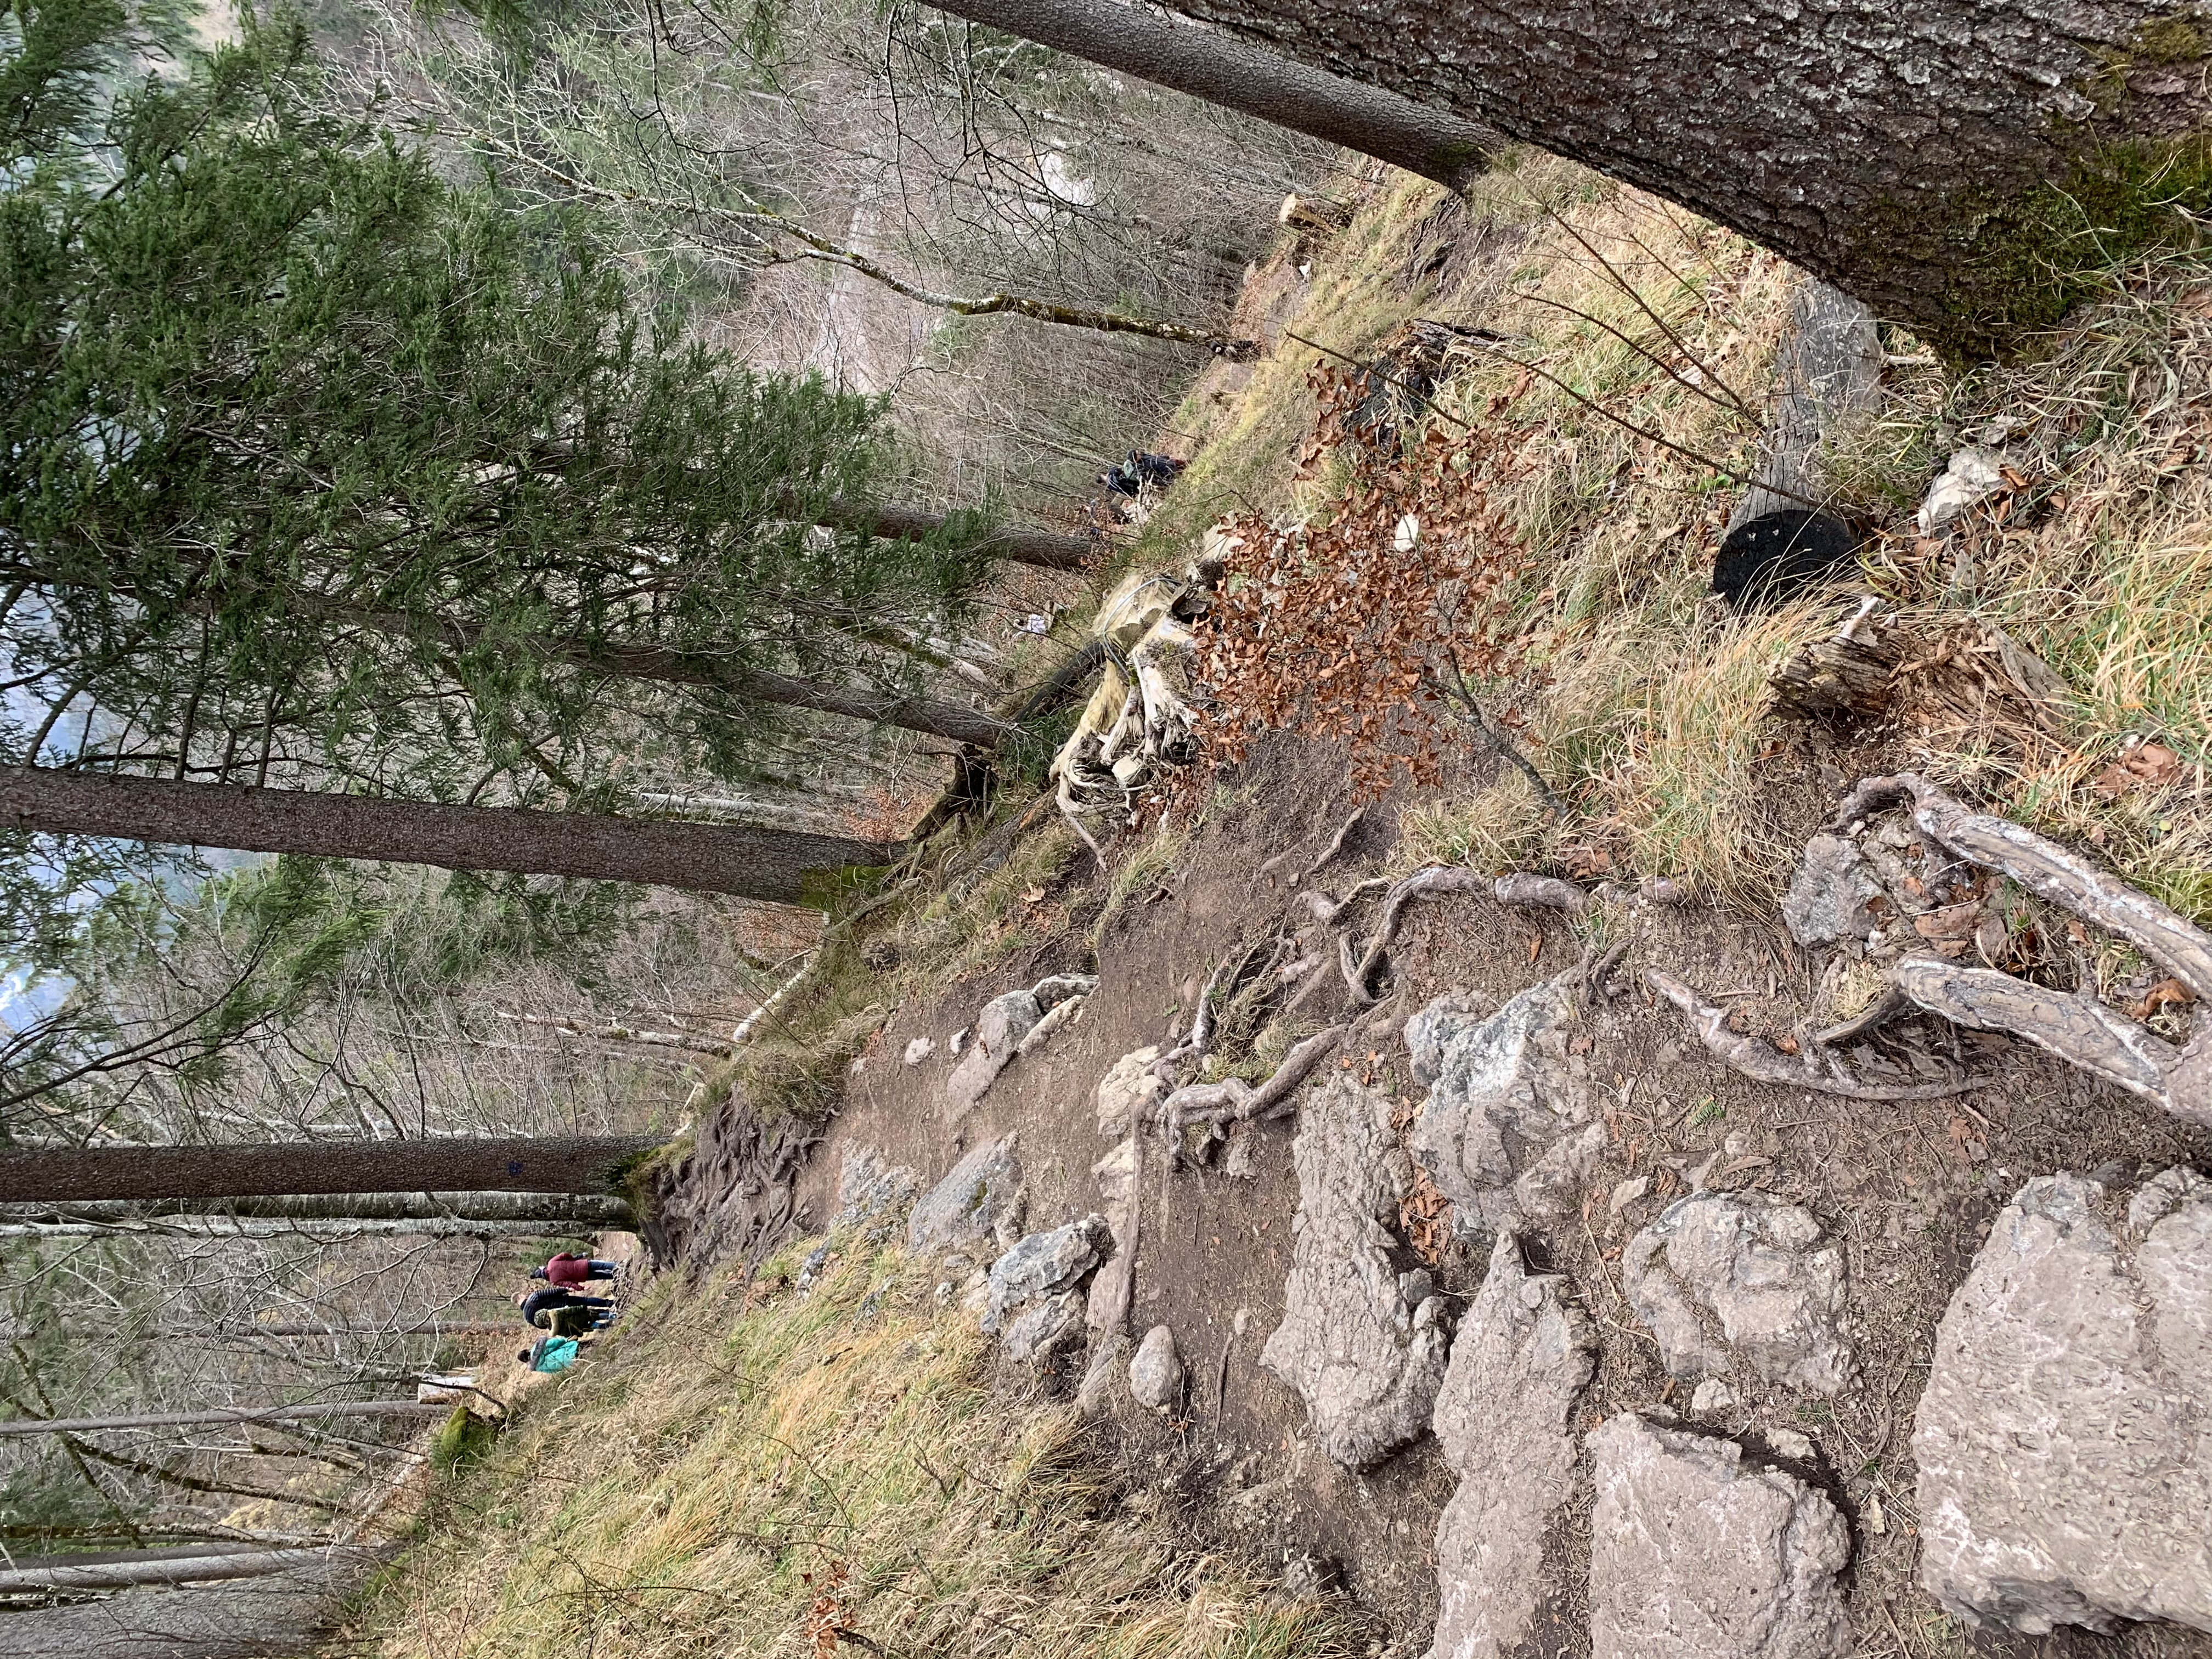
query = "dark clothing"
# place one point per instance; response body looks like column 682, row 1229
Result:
column 558, row 1296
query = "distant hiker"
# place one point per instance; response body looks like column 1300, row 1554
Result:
column 1138, row 469
column 560, row 1310
column 569, row 1268
column 551, row 1353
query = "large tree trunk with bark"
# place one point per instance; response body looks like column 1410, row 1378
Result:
column 544, row 1163
column 556, row 1211
column 132, row 1569
column 1435, row 143
column 18, row 1426
column 1048, row 549
column 277, row 1617
column 783, row 866
column 1960, row 165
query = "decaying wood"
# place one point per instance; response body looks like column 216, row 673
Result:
column 1762, row 1061
column 1845, row 676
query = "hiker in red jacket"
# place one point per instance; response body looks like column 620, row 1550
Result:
column 568, row 1268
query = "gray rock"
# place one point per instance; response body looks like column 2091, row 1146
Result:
column 998, row 1031
column 873, row 1194
column 1057, row 1018
column 1051, row 992
column 1728, row 1278
column 1128, row 1092
column 1522, row 1356
column 1509, row 1126
column 1366, row 1362
column 1694, row 1554
column 1044, row 1263
column 2065, row 1438
column 980, row 1201
column 1094, row 1395
column 1711, row 1397
column 1240, row 1159
column 1045, row 1327
column 919, row 1050
column 1117, row 1174
column 1156, row 1372
column 1829, row 897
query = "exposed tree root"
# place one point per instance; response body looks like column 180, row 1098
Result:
column 1762, row 1061
column 1232, row 1100
column 1336, row 846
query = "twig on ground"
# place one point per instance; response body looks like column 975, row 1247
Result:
column 1335, row 846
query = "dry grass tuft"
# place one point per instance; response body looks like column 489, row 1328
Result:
column 764, row 1481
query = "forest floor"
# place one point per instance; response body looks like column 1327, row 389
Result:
column 754, row 1460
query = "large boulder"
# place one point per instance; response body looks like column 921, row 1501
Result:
column 1045, row 1264
column 1522, row 1356
column 1363, row 1343
column 1729, row 1280
column 2064, row 1441
column 998, row 1032
column 1509, row 1127
column 1696, row 1554
column 979, row 1203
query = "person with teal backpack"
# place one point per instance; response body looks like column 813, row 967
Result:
column 551, row 1354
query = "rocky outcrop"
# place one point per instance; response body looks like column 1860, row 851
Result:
column 1001, row 1030
column 1156, row 1371
column 1363, row 1344
column 1128, row 1092
column 1509, row 1126
column 1522, row 1356
column 1696, row 1554
column 1117, row 1174
column 1044, row 1326
column 873, row 1194
column 1729, row 1280
column 979, row 1203
column 2064, row 1441
column 1043, row 1265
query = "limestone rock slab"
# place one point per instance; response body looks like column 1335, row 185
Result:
column 873, row 1194
column 1522, row 1356
column 2064, row 1441
column 1044, row 1328
column 1156, row 1371
column 1043, row 1264
column 998, row 1031
column 979, row 1201
column 1696, row 1554
column 1366, row 1357
column 1128, row 1092
column 1729, row 1280
column 1509, row 1126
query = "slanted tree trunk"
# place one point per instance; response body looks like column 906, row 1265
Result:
column 1435, row 143
column 544, row 1163
column 18, row 1426
column 1958, row 164
column 189, row 1564
column 223, row 1226
column 1047, row 548
column 276, row 1616
column 575, row 1212
column 778, row 865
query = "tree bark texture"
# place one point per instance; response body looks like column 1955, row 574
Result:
column 1928, row 160
column 1423, row 138
column 276, row 1616
column 781, row 866
column 25, row 1425
column 544, row 1163
column 183, row 1566
column 1047, row 548
column 574, row 1210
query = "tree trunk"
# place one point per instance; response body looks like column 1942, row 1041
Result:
column 782, row 867
column 221, row 1226
column 1423, row 138
column 184, row 1567
column 26, row 1425
column 1046, row 548
column 1961, row 166
column 571, row 1212
column 547, row 1163
column 273, row 1618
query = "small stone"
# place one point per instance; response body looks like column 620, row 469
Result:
column 1695, row 1555
column 1128, row 1092
column 1625, row 1193
column 1711, row 1397
column 1755, row 1265
column 1832, row 894
column 1094, row 1395
column 1156, row 1372
column 1788, row 1442
column 919, row 1050
column 1241, row 1162
column 1044, row 1263
column 980, row 1201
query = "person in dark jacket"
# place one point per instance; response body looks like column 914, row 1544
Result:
column 560, row 1309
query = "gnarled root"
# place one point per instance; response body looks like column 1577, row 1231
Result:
column 1764, row 1063
column 1232, row 1100
column 2076, row 1028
